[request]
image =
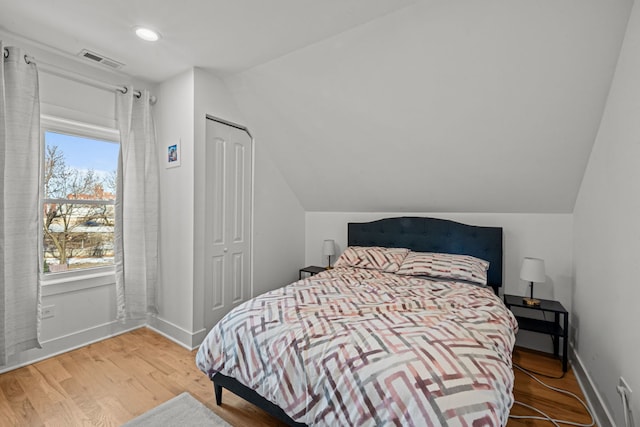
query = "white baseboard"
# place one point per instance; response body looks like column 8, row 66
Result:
column 600, row 412
column 198, row 337
column 177, row 334
column 82, row 338
column 69, row 342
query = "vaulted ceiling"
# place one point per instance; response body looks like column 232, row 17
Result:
column 386, row 105
column 450, row 106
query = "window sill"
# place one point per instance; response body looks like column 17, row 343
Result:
column 60, row 283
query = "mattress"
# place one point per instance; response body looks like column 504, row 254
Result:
column 362, row 347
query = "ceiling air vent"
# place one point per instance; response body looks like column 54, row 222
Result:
column 100, row 59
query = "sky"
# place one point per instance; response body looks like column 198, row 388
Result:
column 86, row 153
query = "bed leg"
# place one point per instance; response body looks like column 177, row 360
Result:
column 218, row 391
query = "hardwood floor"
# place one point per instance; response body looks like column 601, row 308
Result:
column 527, row 390
column 110, row 382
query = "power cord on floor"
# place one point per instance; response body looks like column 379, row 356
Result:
column 546, row 417
column 540, row 373
column 531, row 371
column 628, row 416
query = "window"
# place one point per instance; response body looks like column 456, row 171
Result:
column 79, row 191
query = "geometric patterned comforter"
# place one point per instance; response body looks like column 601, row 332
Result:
column 355, row 347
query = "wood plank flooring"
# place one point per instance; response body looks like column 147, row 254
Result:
column 113, row 381
column 554, row 404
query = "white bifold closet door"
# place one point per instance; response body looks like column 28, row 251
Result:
column 228, row 218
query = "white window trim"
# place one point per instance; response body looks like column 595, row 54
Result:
column 83, row 130
column 70, row 281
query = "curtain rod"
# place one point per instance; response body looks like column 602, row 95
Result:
column 71, row 75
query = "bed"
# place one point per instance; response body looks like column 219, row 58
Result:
column 372, row 343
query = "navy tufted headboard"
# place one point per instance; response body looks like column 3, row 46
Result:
column 434, row 235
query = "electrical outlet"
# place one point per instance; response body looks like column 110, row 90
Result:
column 48, row 311
column 623, row 387
column 573, row 336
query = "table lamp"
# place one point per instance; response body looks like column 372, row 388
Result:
column 532, row 271
column 328, row 250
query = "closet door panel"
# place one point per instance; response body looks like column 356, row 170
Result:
column 228, row 218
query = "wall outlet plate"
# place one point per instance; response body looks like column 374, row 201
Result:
column 48, row 311
column 573, row 336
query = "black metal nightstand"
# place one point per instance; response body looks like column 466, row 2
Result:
column 548, row 327
column 312, row 269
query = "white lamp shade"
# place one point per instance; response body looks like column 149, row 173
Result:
column 533, row 270
column 329, row 248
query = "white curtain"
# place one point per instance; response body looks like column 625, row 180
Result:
column 20, row 154
column 136, row 229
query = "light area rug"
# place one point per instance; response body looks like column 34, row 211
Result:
column 183, row 410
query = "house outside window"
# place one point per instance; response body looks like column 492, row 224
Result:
column 79, row 191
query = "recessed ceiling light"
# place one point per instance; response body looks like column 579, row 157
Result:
column 147, row 34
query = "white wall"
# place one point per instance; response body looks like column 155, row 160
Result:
column 607, row 239
column 173, row 114
column 278, row 235
column 279, row 239
column 278, row 227
column 83, row 314
column 546, row 236
column 85, row 310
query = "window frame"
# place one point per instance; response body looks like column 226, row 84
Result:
column 70, row 280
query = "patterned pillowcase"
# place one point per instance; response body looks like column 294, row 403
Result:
column 448, row 266
column 373, row 258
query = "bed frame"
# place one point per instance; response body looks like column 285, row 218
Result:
column 415, row 233
column 434, row 235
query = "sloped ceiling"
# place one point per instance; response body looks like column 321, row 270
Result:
column 382, row 105
column 451, row 106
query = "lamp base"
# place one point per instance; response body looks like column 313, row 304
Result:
column 531, row 301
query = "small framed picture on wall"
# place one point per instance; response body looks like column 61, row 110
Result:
column 173, row 155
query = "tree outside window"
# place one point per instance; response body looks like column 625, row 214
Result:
column 78, row 206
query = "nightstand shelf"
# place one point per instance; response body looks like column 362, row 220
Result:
column 552, row 328
column 541, row 326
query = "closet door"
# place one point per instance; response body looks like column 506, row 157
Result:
column 227, row 218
